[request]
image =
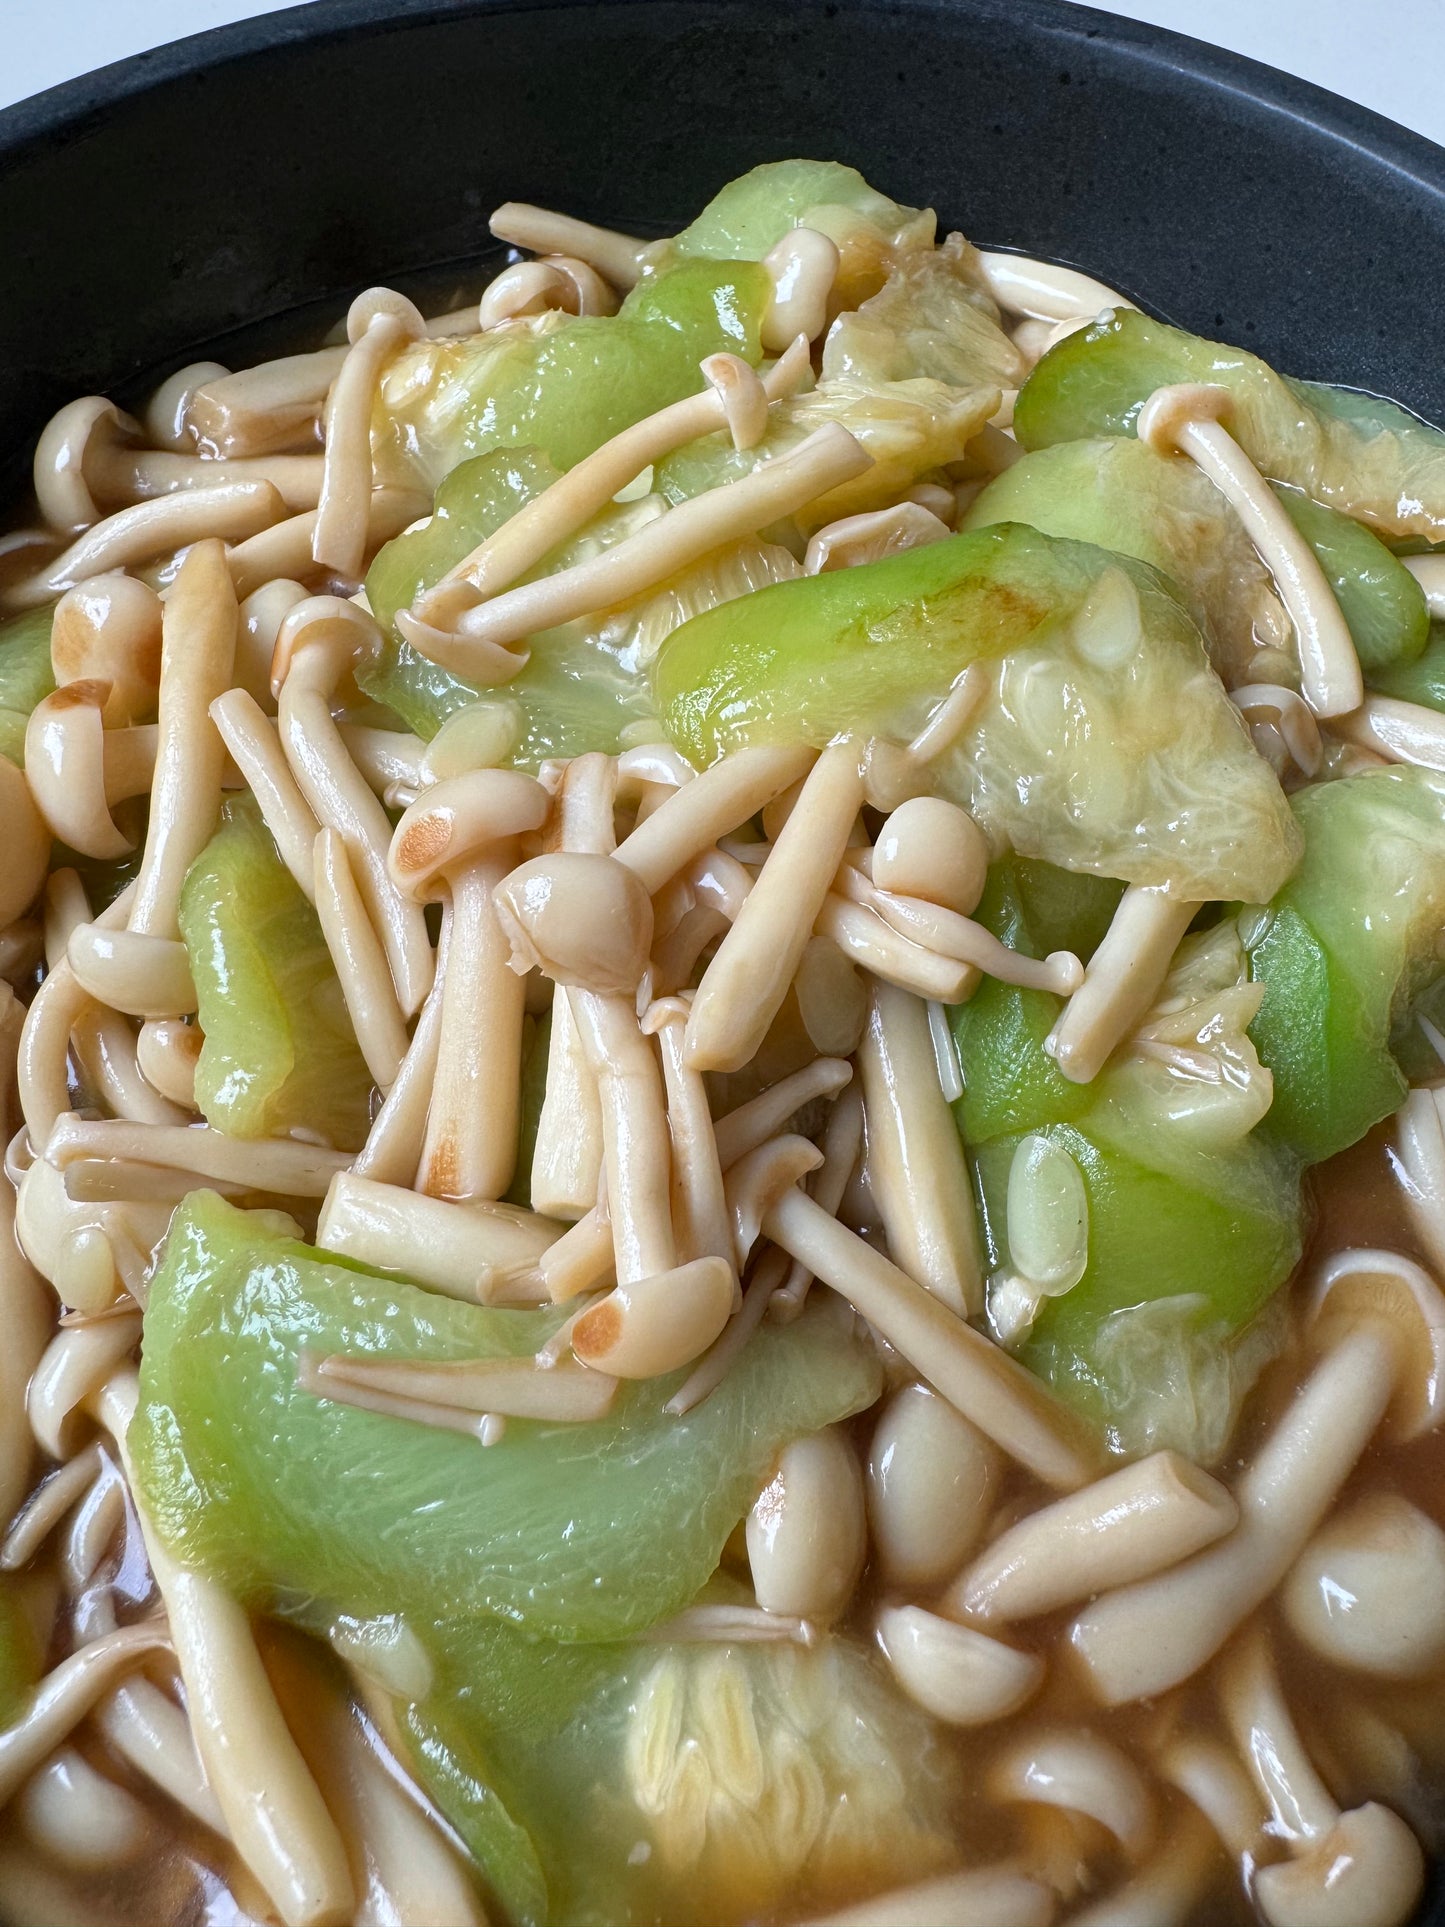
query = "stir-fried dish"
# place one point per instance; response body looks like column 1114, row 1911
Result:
column 723, row 987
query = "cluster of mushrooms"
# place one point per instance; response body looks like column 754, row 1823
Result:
column 747, row 969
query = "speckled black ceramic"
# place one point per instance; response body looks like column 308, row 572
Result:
column 153, row 207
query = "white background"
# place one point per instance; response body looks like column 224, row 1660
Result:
column 1390, row 54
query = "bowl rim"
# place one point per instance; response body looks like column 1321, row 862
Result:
column 61, row 111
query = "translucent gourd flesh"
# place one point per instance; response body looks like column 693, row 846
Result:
column 933, row 318
column 1421, row 681
column 1345, row 951
column 26, row 677
column 1367, row 458
column 280, row 1054
column 562, row 384
column 1105, row 743
column 1381, row 601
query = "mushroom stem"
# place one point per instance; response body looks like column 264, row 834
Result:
column 636, row 1153
column 1078, row 1771
column 1399, row 731
column 284, row 1165
column 748, row 977
column 714, row 803
column 283, row 552
column 827, row 458
column 860, row 933
column 563, row 508
column 1121, row 981
column 468, row 1251
column 915, row 1155
column 250, row 736
column 581, row 1259
column 198, row 648
column 1041, row 289
column 1147, row 1516
column 842, row 1146
column 1186, row 420
column 699, row 1208
column 947, row 934
column 1207, row 1772
column 763, row 1116
column 470, row 1146
column 1167, row 1891
column 392, row 1151
column 124, row 476
column 276, row 405
column 64, row 1697
column 359, row 961
column 378, row 322
column 27, row 853
column 715, row 1364
column 619, row 258
column 983, row 1897
column 1141, row 1640
column 998, row 1396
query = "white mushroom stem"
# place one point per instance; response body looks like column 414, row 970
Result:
column 713, row 804
column 1167, row 1891
column 1121, row 981
column 947, row 934
column 152, row 529
column 860, row 933
column 748, row 978
column 469, row 1251
column 998, row 1396
column 46, row 1507
column 198, row 650
column 1082, row 1773
column 1420, row 1166
column 1146, row 1637
column 276, row 1817
column 250, row 736
column 983, row 1897
column 842, row 1147
column 378, row 322
column 1365, row 1867
column 571, row 502
column 1137, row 1521
column 915, row 1155
column 699, row 1208
column 42, row 1066
column 581, row 1259
column 1186, row 420
column 78, row 1359
column 152, row 1735
column 1429, row 572
column 619, row 258
column 284, row 551
column 827, row 458
column 508, row 1387
column 125, row 970
column 284, row 1165
column 1024, row 286
column 27, row 854
column 275, row 405
column 126, row 475
column 1209, row 1774
column 1288, row 712
column 715, row 1364
column 637, row 1154
column 762, row 1117
column 470, row 1146
column 318, row 642
column 359, row 960
column 1401, row 732
column 960, row 1676
column 64, row 1697
column 26, row 1309
column 76, row 770
column 391, row 759
column 871, row 536
column 392, row 1151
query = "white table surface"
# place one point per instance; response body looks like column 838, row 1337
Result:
column 1390, row 54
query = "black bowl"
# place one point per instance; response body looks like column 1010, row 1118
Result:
column 151, row 209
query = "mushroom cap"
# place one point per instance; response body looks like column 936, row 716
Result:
column 758, row 1179
column 108, row 629
column 961, row 1676
column 1170, row 409
column 454, row 821
column 806, row 1533
column 1367, row 1871
column 932, row 849
column 1369, row 1589
column 324, row 621
column 1385, row 1290
column 654, row 1326
column 581, row 919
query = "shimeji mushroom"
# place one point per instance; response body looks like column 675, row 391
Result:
column 699, row 1206
column 64, row 1697
column 1401, row 732
column 692, row 820
column 871, row 536
column 803, row 265
column 1361, row 1868
column 561, row 283
column 999, row 1396
column 981, row 1897
column 1190, row 420
column 283, row 549
column 377, row 323
column 958, row 1674
column 319, row 644
column 78, row 769
column 1139, row 1520
column 806, row 1535
column 109, row 630
column 621, row 258
column 250, row 736
column 460, row 838
column 1380, row 1321
column 1121, row 982
column 27, row 840
column 1079, row 1772
column 1368, row 1591
column 475, row 1251
column 587, row 922
column 1043, row 291
column 931, row 1483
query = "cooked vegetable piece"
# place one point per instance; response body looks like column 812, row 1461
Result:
column 1105, row 744
column 26, row 677
column 1122, row 495
column 1367, row 458
column 563, row 384
column 569, row 1532
column 21, row 1658
column 1421, row 681
column 1344, row 952
column 280, row 1053
column 1379, row 598
column 934, row 317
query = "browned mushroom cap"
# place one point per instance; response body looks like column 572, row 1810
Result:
column 452, row 821
column 109, row 630
column 656, row 1324
column 65, row 765
column 581, row 919
column 1380, row 1288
